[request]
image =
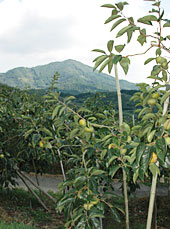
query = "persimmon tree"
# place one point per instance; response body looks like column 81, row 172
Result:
column 151, row 134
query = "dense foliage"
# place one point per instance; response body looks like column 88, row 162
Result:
column 93, row 145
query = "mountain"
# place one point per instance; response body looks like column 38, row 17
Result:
column 75, row 77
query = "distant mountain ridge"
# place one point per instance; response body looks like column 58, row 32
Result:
column 75, row 77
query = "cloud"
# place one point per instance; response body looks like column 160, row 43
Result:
column 37, row 34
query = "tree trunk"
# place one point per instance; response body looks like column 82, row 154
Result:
column 154, row 179
column 120, row 124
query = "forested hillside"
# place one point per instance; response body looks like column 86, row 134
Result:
column 75, row 78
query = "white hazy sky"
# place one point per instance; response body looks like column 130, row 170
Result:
column 36, row 32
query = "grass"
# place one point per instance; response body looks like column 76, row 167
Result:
column 19, row 206
column 4, row 225
column 20, row 210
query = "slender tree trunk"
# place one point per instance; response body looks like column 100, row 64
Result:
column 154, row 180
column 151, row 202
column 34, row 194
column 118, row 96
column 61, row 162
column 120, row 124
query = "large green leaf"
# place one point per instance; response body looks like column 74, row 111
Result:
column 119, row 48
column 110, row 65
column 73, row 133
column 120, row 5
column 96, row 172
column 142, row 37
column 108, row 6
column 148, row 116
column 116, row 59
column 146, row 156
column 161, row 148
column 125, row 64
column 110, row 45
column 149, row 60
column 167, row 24
column 150, row 136
column 104, row 65
column 114, row 169
column 99, row 61
column 139, row 151
column 99, row 50
column 55, row 111
column 124, row 30
column 110, row 160
column 147, row 19
column 111, row 18
column 129, row 35
column 117, row 23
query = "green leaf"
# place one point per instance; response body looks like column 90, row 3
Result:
column 125, row 64
column 154, row 169
column 168, row 37
column 110, row 65
column 145, row 109
column 145, row 130
column 120, row 6
column 45, row 130
column 108, row 6
column 99, row 50
column 61, row 111
column 73, row 133
column 80, row 180
column 116, row 59
column 161, row 16
column 164, row 75
column 96, row 172
column 135, row 175
column 149, row 60
column 110, row 161
column 165, row 96
column 28, row 133
column 124, row 30
column 129, row 35
column 110, row 45
column 139, row 151
column 113, row 170
column 146, row 156
column 95, row 222
column 167, row 24
column 161, row 148
column 119, row 48
column 115, row 214
column 55, row 111
column 104, row 65
column 147, row 19
column 158, row 52
column 151, row 135
column 48, row 145
column 103, row 153
column 117, row 23
column 111, row 18
column 142, row 37
column 148, row 116
column 69, row 98
column 99, row 61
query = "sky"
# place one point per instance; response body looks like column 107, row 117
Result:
column 37, row 32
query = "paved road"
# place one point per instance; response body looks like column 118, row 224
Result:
column 50, row 183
